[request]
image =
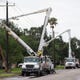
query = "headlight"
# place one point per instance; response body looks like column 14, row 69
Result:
column 23, row 67
column 36, row 66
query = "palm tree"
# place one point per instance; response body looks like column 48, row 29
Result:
column 53, row 22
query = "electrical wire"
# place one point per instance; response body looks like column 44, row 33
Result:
column 25, row 20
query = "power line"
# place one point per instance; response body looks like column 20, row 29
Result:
column 35, row 12
column 25, row 20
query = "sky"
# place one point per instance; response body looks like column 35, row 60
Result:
column 67, row 13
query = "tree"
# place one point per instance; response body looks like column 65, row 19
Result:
column 12, row 43
column 3, row 59
column 14, row 27
column 53, row 22
column 75, row 45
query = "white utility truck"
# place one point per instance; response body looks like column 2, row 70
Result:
column 38, row 63
column 70, row 61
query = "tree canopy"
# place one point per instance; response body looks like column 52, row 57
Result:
column 32, row 38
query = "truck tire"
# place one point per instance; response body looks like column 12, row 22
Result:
column 52, row 71
column 66, row 67
column 74, row 67
column 77, row 65
column 43, row 73
column 38, row 73
column 23, row 73
column 27, row 74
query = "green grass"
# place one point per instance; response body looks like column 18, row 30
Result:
column 7, row 75
column 59, row 67
column 13, row 72
column 17, row 71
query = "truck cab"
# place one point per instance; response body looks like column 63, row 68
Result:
column 37, row 65
column 70, row 63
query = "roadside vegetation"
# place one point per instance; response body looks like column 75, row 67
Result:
column 32, row 38
column 59, row 67
column 17, row 71
column 12, row 72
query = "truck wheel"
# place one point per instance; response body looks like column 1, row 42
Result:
column 74, row 67
column 77, row 65
column 66, row 67
column 27, row 74
column 42, row 73
column 53, row 71
column 23, row 73
column 38, row 74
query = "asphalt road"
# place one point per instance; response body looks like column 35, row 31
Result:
column 69, row 74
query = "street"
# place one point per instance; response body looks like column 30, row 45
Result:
column 69, row 74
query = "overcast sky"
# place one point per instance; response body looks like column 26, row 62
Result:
column 66, row 11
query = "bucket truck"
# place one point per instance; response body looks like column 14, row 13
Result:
column 34, row 64
column 70, row 61
column 39, row 64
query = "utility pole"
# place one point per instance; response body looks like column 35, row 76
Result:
column 53, row 36
column 54, row 49
column 7, row 38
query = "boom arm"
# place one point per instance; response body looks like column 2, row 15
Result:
column 40, row 11
column 16, row 17
column 10, row 32
column 44, row 28
column 48, row 11
column 69, row 34
column 57, row 36
column 70, row 51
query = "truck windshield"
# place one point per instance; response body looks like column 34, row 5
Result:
column 70, row 60
column 31, row 59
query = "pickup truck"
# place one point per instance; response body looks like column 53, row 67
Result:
column 37, row 65
column 71, row 63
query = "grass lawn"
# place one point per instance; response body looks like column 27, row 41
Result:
column 17, row 71
column 13, row 72
column 59, row 67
